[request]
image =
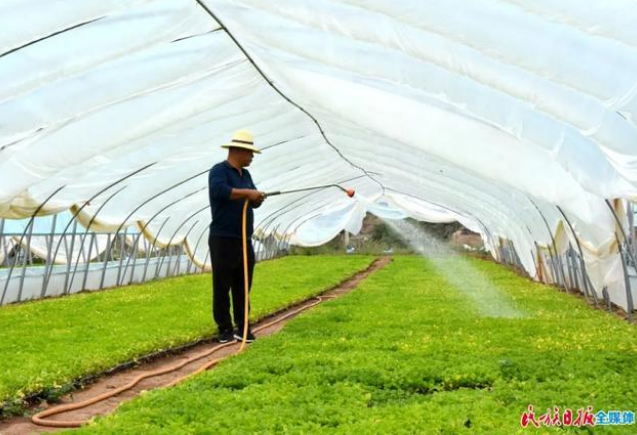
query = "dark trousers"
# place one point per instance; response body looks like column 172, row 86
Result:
column 226, row 254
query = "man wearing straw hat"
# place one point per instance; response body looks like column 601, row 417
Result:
column 229, row 185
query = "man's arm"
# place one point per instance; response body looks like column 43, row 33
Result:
column 257, row 200
column 218, row 183
column 220, row 189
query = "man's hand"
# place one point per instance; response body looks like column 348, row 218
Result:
column 256, row 198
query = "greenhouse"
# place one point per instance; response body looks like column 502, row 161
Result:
column 440, row 209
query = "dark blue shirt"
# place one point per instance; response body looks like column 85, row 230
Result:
column 227, row 213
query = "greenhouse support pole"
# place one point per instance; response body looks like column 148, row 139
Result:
column 581, row 253
column 560, row 267
column 67, row 289
column 171, row 250
column 561, row 262
column 140, row 236
column 172, row 237
column 205, row 260
column 147, row 247
column 27, row 255
column 88, row 261
column 3, row 244
column 541, row 271
column 629, row 295
column 569, row 267
column 630, row 209
column 574, row 266
column 163, row 252
column 194, row 252
column 135, row 254
column 107, row 252
column 555, row 264
column 153, row 247
column 79, row 210
column 37, row 210
column 276, row 244
column 606, row 297
column 627, row 288
column 123, row 247
column 157, row 195
column 182, row 248
column 577, row 261
column 87, row 257
column 49, row 259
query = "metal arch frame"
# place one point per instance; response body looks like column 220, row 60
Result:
column 86, row 230
column 181, row 247
column 627, row 287
column 159, row 212
column 585, row 278
column 2, row 241
column 152, row 247
column 147, row 223
column 195, row 249
column 29, row 225
column 47, row 275
column 155, row 196
column 182, row 250
column 58, row 32
column 559, row 274
column 271, row 218
column 177, row 230
column 280, row 212
column 629, row 295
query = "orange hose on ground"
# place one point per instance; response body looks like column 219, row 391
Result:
column 40, row 418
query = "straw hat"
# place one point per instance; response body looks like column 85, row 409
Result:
column 242, row 139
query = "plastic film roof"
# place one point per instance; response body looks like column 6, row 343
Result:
column 489, row 112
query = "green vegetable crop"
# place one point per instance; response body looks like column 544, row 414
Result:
column 407, row 352
column 47, row 344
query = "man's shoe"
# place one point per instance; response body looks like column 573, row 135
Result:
column 239, row 335
column 225, row 336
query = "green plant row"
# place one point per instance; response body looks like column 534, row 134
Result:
column 409, row 352
column 49, row 343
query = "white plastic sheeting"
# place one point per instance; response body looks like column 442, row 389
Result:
column 489, row 112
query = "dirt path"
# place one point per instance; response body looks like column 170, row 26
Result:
column 23, row 425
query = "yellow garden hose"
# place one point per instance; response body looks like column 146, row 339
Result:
column 246, row 299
